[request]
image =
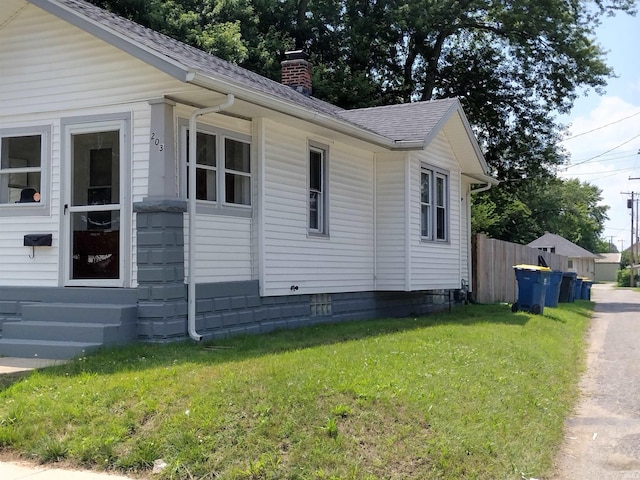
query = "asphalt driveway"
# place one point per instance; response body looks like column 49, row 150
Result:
column 602, row 438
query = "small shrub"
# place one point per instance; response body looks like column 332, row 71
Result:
column 624, row 278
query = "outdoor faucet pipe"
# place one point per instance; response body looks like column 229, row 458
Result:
column 193, row 145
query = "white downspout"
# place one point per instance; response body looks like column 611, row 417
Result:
column 193, row 145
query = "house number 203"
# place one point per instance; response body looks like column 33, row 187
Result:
column 155, row 140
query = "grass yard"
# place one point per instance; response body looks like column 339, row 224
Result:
column 479, row 393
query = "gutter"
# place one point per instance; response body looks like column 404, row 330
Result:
column 481, row 178
column 193, row 145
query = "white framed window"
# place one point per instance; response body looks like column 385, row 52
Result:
column 206, row 167
column 318, row 189
column 434, row 204
column 426, row 222
column 223, row 170
column 237, row 180
column 24, row 159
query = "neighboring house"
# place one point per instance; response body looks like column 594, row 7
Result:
column 300, row 212
column 580, row 260
column 607, row 266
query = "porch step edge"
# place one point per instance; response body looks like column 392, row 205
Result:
column 105, row 333
column 57, row 350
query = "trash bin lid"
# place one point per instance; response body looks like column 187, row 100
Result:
column 532, row 267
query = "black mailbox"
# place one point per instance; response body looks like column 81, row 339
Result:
column 38, row 240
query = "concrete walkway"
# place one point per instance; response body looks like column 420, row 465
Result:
column 19, row 471
column 10, row 365
column 603, row 435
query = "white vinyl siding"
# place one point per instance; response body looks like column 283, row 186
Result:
column 436, row 264
column 390, row 221
column 223, row 244
column 342, row 262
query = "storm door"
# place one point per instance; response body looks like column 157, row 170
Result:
column 93, row 207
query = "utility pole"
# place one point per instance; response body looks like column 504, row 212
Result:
column 632, row 275
column 634, row 238
column 630, row 204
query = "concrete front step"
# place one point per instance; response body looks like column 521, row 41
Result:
column 10, row 347
column 79, row 313
column 66, row 330
column 103, row 333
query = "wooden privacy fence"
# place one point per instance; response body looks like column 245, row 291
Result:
column 494, row 279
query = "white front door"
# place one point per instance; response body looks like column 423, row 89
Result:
column 93, row 199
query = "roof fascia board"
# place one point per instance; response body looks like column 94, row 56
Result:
column 481, row 178
column 472, row 137
column 291, row 109
column 442, row 122
column 170, row 67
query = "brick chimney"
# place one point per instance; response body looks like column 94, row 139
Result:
column 296, row 71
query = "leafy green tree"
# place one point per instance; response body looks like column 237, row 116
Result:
column 569, row 208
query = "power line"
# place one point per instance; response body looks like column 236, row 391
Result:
column 619, row 156
column 599, row 128
column 603, row 153
column 613, row 172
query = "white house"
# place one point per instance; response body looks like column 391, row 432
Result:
column 298, row 212
column 580, row 260
column 607, row 266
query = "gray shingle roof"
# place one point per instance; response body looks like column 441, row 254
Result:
column 409, row 122
column 608, row 258
column 562, row 246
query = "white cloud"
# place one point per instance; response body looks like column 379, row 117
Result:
column 607, row 156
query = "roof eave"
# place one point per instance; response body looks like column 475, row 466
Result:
column 273, row 103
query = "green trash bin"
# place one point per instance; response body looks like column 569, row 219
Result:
column 532, row 288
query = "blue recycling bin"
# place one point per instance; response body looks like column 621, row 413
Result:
column 552, row 296
column 566, row 287
column 532, row 288
column 577, row 288
column 585, row 291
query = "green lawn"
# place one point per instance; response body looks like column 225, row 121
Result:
column 479, row 393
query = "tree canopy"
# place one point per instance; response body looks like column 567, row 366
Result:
column 514, row 65
column 568, row 208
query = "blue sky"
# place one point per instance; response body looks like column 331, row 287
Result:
column 605, row 150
